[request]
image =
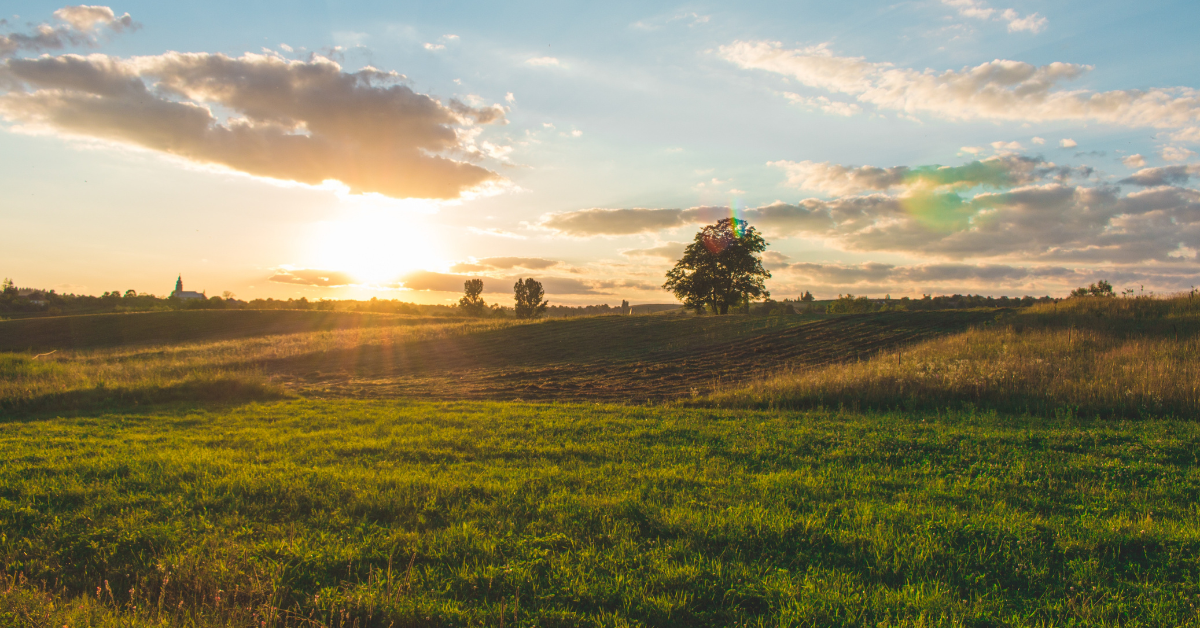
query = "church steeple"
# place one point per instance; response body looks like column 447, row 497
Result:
column 179, row 283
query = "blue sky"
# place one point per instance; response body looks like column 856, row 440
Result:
column 592, row 140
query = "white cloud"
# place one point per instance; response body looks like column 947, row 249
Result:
column 589, row 222
column 979, row 10
column 81, row 26
column 1166, row 175
column 1134, row 161
column 996, row 90
column 510, row 98
column 435, row 47
column 84, row 18
column 1033, row 22
column 666, row 250
column 1007, row 146
column 1038, row 140
column 692, row 18
column 1068, row 143
column 833, row 107
column 1176, row 153
column 499, row 233
column 1027, row 220
column 972, row 150
column 544, row 62
column 1004, row 170
column 303, row 121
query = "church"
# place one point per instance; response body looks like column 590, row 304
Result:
column 180, row 293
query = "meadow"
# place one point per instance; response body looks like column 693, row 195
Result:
column 990, row 467
column 386, row 513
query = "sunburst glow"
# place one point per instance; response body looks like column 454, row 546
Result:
column 377, row 245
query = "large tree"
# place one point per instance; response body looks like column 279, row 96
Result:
column 720, row 268
column 528, row 295
column 471, row 303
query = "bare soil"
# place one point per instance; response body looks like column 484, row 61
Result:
column 611, row 358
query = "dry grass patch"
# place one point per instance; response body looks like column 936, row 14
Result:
column 1123, row 357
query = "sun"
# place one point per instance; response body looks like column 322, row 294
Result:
column 376, row 246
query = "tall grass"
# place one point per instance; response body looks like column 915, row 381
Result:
column 200, row 371
column 1099, row 356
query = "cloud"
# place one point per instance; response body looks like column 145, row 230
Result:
column 833, row 107
column 999, row 171
column 544, row 62
column 1038, row 140
column 1134, row 161
column 84, row 18
column 977, row 9
column 774, row 260
column 1033, row 22
column 667, row 250
column 1169, row 175
column 996, row 90
column 499, row 233
column 1176, row 153
column 591, row 222
column 303, row 121
column 1033, row 223
column 435, row 47
column 692, row 18
column 1068, row 143
column 1026, row 218
column 876, row 273
column 1007, row 146
column 313, row 277
column 875, row 278
column 443, row 282
column 504, row 263
column 82, row 24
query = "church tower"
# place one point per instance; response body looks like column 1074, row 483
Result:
column 178, row 285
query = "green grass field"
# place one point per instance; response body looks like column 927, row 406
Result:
column 461, row 513
column 1030, row 467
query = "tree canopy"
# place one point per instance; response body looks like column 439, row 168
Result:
column 720, row 268
column 528, row 295
column 1099, row 289
column 471, row 303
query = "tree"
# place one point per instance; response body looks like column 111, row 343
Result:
column 720, row 268
column 808, row 297
column 471, row 303
column 1099, row 289
column 528, row 295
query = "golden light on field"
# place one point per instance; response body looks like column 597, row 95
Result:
column 376, row 245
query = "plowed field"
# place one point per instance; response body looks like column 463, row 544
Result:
column 612, row 358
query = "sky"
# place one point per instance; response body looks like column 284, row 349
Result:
column 392, row 150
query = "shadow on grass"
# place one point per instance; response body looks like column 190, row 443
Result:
column 87, row 401
column 1006, row 403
